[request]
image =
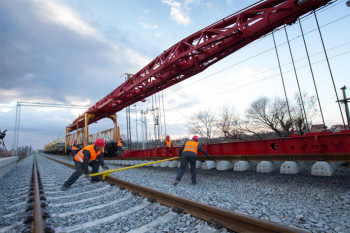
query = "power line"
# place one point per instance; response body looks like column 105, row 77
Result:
column 259, row 80
column 276, row 67
column 253, row 56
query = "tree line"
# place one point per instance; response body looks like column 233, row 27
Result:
column 23, row 151
column 264, row 118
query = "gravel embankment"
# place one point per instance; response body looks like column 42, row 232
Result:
column 316, row 204
column 71, row 208
column 14, row 189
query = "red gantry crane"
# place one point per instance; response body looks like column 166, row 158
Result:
column 197, row 52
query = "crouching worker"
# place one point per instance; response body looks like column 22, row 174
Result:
column 88, row 156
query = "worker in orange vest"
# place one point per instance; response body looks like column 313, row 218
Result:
column 75, row 148
column 188, row 154
column 88, row 156
column 119, row 146
column 167, row 142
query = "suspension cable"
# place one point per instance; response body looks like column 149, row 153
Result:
column 312, row 74
column 296, row 76
column 329, row 68
column 284, row 88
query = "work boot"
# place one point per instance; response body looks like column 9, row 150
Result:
column 95, row 180
column 64, row 188
column 176, row 182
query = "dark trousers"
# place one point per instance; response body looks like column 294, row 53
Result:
column 79, row 171
column 187, row 157
column 120, row 150
column 74, row 152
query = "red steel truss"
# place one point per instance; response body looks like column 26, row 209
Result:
column 319, row 146
column 200, row 50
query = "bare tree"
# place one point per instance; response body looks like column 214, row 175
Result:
column 272, row 114
column 229, row 123
column 204, row 124
column 265, row 112
column 298, row 115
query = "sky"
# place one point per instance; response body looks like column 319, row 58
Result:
column 75, row 52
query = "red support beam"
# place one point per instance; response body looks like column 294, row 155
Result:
column 311, row 146
column 200, row 50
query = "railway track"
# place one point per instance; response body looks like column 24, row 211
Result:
column 118, row 206
column 216, row 216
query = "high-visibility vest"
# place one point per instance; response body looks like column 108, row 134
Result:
column 103, row 149
column 74, row 147
column 120, row 143
column 167, row 143
column 191, row 146
column 80, row 155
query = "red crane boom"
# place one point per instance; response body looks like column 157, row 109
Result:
column 200, row 50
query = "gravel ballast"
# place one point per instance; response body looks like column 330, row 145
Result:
column 316, row 204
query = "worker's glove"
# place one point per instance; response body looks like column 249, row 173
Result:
column 87, row 176
column 105, row 167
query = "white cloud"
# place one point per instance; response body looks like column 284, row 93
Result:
column 5, row 110
column 146, row 11
column 158, row 34
column 179, row 13
column 148, row 26
column 65, row 16
column 209, row 5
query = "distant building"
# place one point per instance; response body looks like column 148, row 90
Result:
column 338, row 128
column 317, row 128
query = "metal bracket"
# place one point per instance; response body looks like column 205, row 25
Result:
column 46, row 215
column 29, row 219
column 215, row 224
column 177, row 209
column 29, row 208
column 135, row 193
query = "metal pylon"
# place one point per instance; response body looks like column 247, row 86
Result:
column 17, row 121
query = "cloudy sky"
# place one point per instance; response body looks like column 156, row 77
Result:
column 74, row 52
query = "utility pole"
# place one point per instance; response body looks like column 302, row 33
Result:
column 128, row 125
column 345, row 102
column 302, row 116
column 146, row 128
column 142, row 133
column 137, row 137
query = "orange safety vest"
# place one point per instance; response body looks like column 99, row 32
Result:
column 80, row 155
column 74, row 148
column 191, row 146
column 120, row 143
column 167, row 143
column 103, row 149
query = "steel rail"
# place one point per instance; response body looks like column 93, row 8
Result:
column 38, row 223
column 294, row 157
column 230, row 220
